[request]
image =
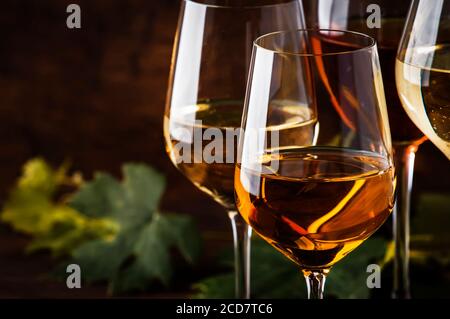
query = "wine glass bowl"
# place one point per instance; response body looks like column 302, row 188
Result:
column 423, row 70
column 355, row 16
column 207, row 82
column 319, row 205
column 317, row 199
column 212, row 54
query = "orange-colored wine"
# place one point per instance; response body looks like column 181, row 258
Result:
column 188, row 148
column 315, row 205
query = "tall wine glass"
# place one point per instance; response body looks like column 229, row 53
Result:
column 206, row 95
column 315, row 202
column 423, row 70
column 383, row 20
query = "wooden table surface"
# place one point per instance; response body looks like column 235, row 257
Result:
column 96, row 96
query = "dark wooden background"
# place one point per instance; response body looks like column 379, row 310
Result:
column 96, row 96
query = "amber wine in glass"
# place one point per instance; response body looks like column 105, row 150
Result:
column 316, row 202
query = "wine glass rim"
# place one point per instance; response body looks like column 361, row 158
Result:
column 372, row 44
column 218, row 6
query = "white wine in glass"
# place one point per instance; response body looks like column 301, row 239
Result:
column 423, row 70
column 211, row 58
column 425, row 93
column 208, row 161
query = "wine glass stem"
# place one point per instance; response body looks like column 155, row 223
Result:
column 405, row 156
column 315, row 283
column 242, row 234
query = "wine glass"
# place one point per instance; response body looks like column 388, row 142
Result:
column 383, row 20
column 206, row 95
column 315, row 202
column 423, row 70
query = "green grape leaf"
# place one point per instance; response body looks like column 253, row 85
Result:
column 100, row 197
column 274, row 276
column 347, row 278
column 141, row 251
column 131, row 202
column 101, row 260
column 26, row 211
column 67, row 229
column 32, row 209
column 38, row 176
column 216, row 287
column 182, row 232
column 432, row 215
column 143, row 187
column 430, row 240
column 140, row 255
column 111, row 228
